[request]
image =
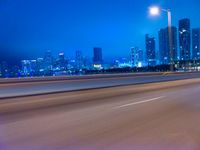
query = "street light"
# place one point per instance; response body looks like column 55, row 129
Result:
column 155, row 11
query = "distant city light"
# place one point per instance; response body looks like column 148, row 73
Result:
column 61, row 54
column 97, row 66
column 139, row 64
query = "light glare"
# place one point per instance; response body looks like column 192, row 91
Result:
column 154, row 10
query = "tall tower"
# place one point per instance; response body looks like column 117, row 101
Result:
column 48, row 60
column 136, row 57
column 79, row 60
column 97, row 58
column 184, row 39
column 150, row 50
column 61, row 61
column 164, row 45
column 196, row 44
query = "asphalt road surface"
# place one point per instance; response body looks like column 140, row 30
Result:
column 155, row 116
column 39, row 86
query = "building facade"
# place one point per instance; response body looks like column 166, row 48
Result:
column 97, row 58
column 79, row 60
column 185, row 39
column 150, row 50
column 48, row 61
column 61, row 62
column 164, row 45
column 196, row 44
column 29, row 67
column 136, row 57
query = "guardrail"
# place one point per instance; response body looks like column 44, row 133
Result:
column 98, row 76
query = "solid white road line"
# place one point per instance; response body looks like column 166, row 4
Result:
column 140, row 102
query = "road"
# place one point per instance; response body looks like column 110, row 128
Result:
column 155, row 116
column 31, row 86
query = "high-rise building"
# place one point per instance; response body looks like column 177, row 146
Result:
column 79, row 60
column 196, row 44
column 48, row 60
column 61, row 61
column 133, row 56
column 150, row 50
column 164, row 45
column 29, row 67
column 40, row 64
column 87, row 64
column 61, row 57
column 136, row 57
column 98, row 58
column 184, row 39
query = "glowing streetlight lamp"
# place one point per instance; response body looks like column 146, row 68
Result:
column 155, row 11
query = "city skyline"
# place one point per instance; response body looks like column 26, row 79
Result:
column 30, row 34
column 160, row 49
column 187, row 56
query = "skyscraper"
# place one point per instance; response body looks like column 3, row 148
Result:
column 29, row 67
column 136, row 57
column 196, row 44
column 48, row 60
column 98, row 58
column 40, row 64
column 150, row 50
column 184, row 39
column 164, row 46
column 62, row 63
column 133, row 56
column 79, row 60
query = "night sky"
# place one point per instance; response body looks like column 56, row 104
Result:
column 30, row 27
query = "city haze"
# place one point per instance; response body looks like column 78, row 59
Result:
column 29, row 28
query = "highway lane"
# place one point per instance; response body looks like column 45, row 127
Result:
column 28, row 88
column 140, row 117
column 75, row 77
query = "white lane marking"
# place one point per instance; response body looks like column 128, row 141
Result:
column 140, row 102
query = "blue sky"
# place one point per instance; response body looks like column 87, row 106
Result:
column 30, row 27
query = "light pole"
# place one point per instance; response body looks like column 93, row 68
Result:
column 154, row 11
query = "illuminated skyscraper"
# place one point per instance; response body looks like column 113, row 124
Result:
column 48, row 61
column 79, row 60
column 61, row 63
column 136, row 57
column 40, row 64
column 184, row 39
column 29, row 67
column 196, row 44
column 150, row 50
column 98, row 58
column 164, row 46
